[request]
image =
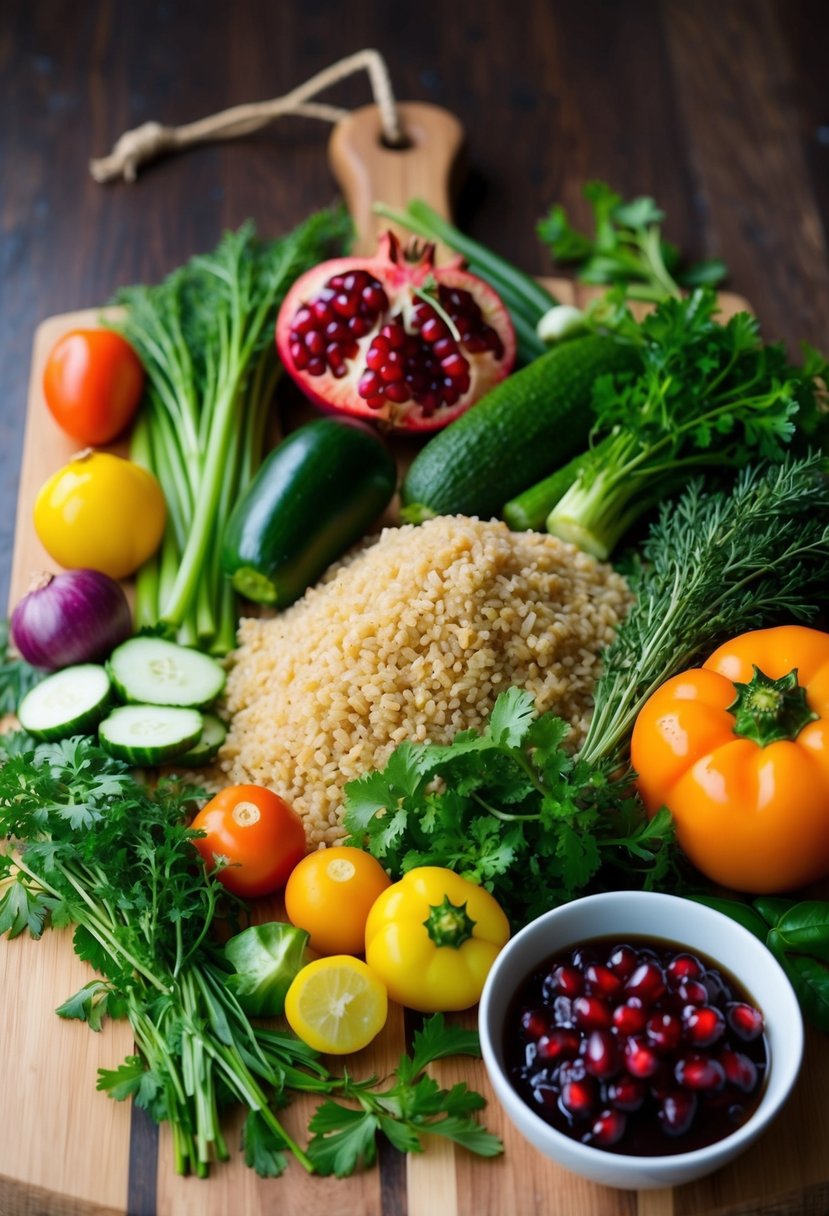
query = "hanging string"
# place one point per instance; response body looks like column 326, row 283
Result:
column 152, row 139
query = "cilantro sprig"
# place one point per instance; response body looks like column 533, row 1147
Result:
column 626, row 247
column 92, row 846
column 509, row 807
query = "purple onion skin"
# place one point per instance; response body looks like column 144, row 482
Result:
column 78, row 616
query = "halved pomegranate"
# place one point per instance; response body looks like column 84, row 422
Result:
column 394, row 337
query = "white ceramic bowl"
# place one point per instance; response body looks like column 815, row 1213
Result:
column 692, row 926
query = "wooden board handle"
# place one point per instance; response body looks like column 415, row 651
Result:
column 367, row 171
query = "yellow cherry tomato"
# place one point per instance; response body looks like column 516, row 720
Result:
column 330, row 893
column 738, row 750
column 336, row 1005
column 432, row 938
column 100, row 512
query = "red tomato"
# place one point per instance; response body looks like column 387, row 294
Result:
column 257, row 831
column 92, row 384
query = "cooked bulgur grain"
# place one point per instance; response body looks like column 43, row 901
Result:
column 413, row 637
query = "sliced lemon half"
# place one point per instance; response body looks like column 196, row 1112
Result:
column 336, row 1005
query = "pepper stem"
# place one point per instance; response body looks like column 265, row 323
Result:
column 449, row 924
column 767, row 710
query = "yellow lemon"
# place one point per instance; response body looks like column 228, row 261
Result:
column 337, row 1004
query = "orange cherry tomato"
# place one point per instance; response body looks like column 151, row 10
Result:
column 738, row 751
column 259, row 833
column 92, row 383
column 330, row 894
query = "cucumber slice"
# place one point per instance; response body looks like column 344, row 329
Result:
column 208, row 743
column 149, row 734
column 70, row 702
column 150, row 671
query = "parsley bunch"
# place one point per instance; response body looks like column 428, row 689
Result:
column 509, row 807
column 706, row 395
column 96, row 848
column 627, row 247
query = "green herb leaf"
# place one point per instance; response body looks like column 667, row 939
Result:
column 264, row 1149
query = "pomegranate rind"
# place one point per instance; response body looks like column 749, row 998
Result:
column 400, row 278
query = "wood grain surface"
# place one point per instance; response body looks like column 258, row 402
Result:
column 717, row 109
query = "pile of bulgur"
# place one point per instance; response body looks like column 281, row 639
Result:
column 413, row 637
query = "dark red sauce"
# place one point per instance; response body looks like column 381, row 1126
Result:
column 636, row 1047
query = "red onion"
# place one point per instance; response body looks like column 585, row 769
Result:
column 74, row 617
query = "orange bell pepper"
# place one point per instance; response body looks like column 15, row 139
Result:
column 738, row 750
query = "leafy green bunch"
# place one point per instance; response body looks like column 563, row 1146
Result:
column 94, row 847
column 626, row 247
column 508, row 807
column 706, row 395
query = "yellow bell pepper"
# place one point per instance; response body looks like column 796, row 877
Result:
column 101, row 512
column 432, row 938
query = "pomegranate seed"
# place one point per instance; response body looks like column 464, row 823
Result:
column 591, row 1013
column 345, row 305
column 535, row 1023
column 316, row 367
column 646, row 982
column 335, row 331
column 600, row 1052
column 664, row 1031
column 744, row 1020
column 376, row 403
column 640, row 1058
column 683, row 967
column 692, row 992
column 629, row 1018
column 703, row 1025
column 369, row 385
column 474, row 343
column 303, row 320
column 398, row 392
column 374, row 297
column 299, row 354
column 622, row 961
column 395, row 334
column 559, row 1044
column 450, row 394
column 699, row 1072
column 336, row 360
column 608, row 1129
column 715, row 986
column 676, row 1112
column 375, row 358
column 350, row 350
column 626, row 1093
column 433, row 330
column 739, row 1070
column 322, row 313
column 602, row 981
column 563, row 981
column 454, row 365
column 579, row 1098
column 380, row 343
column 391, row 371
column 335, row 282
column 358, row 326
column 315, row 342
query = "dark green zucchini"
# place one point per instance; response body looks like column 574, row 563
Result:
column 526, row 426
column 315, row 494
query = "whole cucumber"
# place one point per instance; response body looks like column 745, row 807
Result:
column 314, row 495
column 526, row 426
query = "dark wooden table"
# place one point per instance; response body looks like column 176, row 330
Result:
column 718, row 109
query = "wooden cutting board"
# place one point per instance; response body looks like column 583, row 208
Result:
column 66, row 1150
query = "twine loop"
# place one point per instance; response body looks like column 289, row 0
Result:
column 152, row 139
